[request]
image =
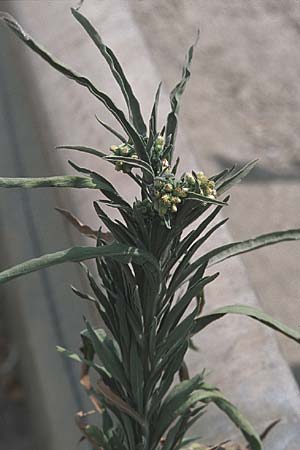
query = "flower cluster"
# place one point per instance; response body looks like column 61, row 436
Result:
column 205, row 186
column 123, row 150
column 168, row 194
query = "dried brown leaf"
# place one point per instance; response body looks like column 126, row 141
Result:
column 117, row 401
column 86, row 383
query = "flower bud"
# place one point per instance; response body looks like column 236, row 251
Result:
column 165, row 199
column 189, row 179
column 174, row 208
column 119, row 165
column 160, row 141
column 124, row 150
column 176, row 200
column 168, row 187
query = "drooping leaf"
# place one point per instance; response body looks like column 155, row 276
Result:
column 248, row 311
column 239, row 420
column 80, row 79
column 236, row 248
column 227, row 251
column 83, row 149
column 205, row 395
column 117, row 71
column 122, row 253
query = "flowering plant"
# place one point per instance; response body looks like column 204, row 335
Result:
column 151, row 275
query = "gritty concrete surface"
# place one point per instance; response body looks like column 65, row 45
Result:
column 248, row 365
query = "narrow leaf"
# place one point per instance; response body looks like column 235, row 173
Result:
column 153, row 117
column 202, row 198
column 236, row 248
column 83, row 149
column 173, row 316
column 132, row 162
column 236, row 177
column 59, row 181
column 122, row 253
column 80, row 79
column 112, row 130
column 175, row 98
column 248, row 311
column 116, row 70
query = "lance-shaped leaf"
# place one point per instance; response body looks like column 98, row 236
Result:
column 117, row 71
column 175, row 314
column 138, row 163
column 107, row 188
column 89, row 362
column 174, row 405
column 153, row 117
column 107, row 353
column 206, row 396
column 175, row 97
column 234, row 179
column 83, row 149
column 248, row 311
column 112, row 130
column 123, row 253
column 187, row 258
column 80, row 79
column 202, row 198
column 59, row 181
column 236, row 248
column 193, row 235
